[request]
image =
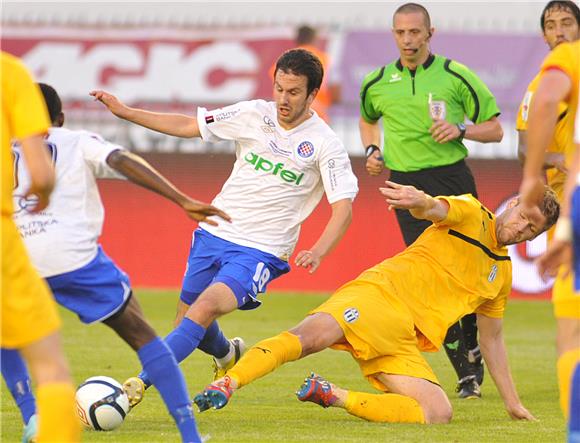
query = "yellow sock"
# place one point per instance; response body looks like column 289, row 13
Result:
column 58, row 421
column 566, row 365
column 266, row 356
column 389, row 408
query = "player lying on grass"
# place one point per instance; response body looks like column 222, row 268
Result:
column 287, row 158
column 63, row 244
column 403, row 306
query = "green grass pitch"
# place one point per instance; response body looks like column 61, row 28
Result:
column 267, row 411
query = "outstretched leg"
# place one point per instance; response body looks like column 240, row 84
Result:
column 315, row 333
column 215, row 301
column 225, row 352
column 409, row 400
column 159, row 363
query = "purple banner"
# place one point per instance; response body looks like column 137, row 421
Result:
column 506, row 63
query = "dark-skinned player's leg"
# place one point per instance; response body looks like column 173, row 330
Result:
column 158, row 360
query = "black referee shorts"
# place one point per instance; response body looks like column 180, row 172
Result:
column 455, row 179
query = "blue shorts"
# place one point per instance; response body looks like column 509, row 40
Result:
column 94, row 292
column 246, row 271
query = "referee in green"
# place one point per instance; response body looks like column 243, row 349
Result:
column 423, row 100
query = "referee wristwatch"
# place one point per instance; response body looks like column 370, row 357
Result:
column 461, row 127
column 371, row 149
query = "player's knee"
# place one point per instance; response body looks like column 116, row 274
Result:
column 207, row 309
column 439, row 413
column 308, row 342
column 49, row 370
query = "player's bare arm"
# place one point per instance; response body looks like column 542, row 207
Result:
column 554, row 86
column 178, row 125
column 139, row 171
column 335, row 229
column 420, row 205
column 495, row 355
column 370, row 134
column 485, row 132
column 40, row 169
column 552, row 160
column 560, row 255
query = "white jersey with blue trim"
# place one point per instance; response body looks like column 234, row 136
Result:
column 63, row 237
column 279, row 175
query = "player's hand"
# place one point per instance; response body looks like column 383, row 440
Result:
column 375, row 163
column 308, row 259
column 199, row 211
column 559, row 255
column 113, row 104
column 519, row 412
column 556, row 160
column 442, row 131
column 403, row 197
column 531, row 192
column 42, row 197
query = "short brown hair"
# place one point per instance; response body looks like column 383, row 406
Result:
column 550, row 207
column 302, row 62
column 414, row 7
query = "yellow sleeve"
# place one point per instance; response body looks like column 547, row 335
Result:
column 462, row 208
column 522, row 118
column 495, row 307
column 28, row 114
column 564, row 58
column 524, row 109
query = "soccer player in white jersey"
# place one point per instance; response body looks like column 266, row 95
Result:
column 63, row 245
column 287, row 157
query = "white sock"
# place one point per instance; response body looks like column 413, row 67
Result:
column 222, row 362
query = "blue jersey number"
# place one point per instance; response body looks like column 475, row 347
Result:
column 53, row 155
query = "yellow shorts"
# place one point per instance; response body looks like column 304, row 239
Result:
column 379, row 331
column 28, row 309
column 566, row 300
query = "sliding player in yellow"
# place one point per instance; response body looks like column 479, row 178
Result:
column 560, row 78
column 29, row 319
column 405, row 305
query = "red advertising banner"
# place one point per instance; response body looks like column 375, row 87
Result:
column 151, row 65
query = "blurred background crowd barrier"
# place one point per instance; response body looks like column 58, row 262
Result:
column 177, row 56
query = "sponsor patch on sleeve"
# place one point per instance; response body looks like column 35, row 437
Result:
column 526, row 105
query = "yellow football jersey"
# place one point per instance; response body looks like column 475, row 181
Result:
column 556, row 178
column 454, row 268
column 20, row 96
column 566, row 58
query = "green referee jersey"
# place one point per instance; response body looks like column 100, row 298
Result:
column 401, row 98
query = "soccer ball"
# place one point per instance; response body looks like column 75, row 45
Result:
column 101, row 403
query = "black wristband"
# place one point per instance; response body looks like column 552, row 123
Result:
column 462, row 129
column 370, row 150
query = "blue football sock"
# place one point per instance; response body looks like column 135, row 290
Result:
column 160, row 364
column 574, row 421
column 18, row 381
column 182, row 341
column 214, row 342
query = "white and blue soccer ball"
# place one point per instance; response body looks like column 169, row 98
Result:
column 101, row 403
